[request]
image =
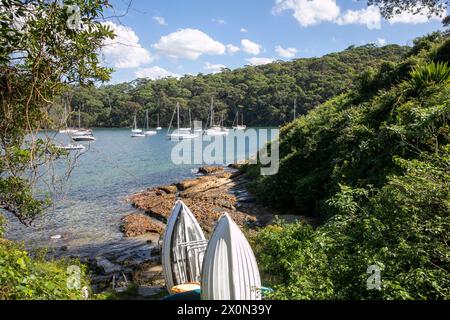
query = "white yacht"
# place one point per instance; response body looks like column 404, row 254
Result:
column 180, row 133
column 236, row 125
column 135, row 128
column 158, row 127
column 215, row 130
column 147, row 131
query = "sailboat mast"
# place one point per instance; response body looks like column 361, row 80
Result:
column 212, row 113
column 79, row 118
column 190, row 119
column 146, row 119
column 178, row 115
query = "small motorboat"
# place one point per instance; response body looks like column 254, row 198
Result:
column 138, row 135
column 229, row 271
column 183, row 248
column 72, row 147
column 86, row 137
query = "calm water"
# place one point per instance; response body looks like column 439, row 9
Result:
column 88, row 210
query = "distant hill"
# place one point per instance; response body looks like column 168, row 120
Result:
column 265, row 94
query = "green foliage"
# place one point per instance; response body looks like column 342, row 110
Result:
column 429, row 74
column 375, row 166
column 263, row 94
column 39, row 57
column 32, row 278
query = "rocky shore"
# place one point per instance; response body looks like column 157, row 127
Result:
column 216, row 190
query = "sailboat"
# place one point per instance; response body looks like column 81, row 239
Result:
column 66, row 129
column 147, row 131
column 215, row 130
column 180, row 133
column 82, row 134
column 135, row 128
column 158, row 127
column 236, row 120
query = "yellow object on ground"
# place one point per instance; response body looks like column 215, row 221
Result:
column 186, row 287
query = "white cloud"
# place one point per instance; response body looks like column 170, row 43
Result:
column 214, row 68
column 243, row 30
column 309, row 12
column 160, row 20
column 125, row 51
column 370, row 17
column 250, row 47
column 286, row 53
column 381, row 42
column 411, row 18
column 154, row 73
column 259, row 61
column 189, row 44
column 219, row 21
column 232, row 49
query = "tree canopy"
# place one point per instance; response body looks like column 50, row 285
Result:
column 40, row 55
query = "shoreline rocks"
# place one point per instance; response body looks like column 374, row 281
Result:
column 219, row 190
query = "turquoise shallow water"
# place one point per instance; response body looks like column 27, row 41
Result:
column 87, row 211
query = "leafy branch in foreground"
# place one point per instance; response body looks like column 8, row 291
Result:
column 39, row 56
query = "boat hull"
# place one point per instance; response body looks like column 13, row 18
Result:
column 183, row 247
column 229, row 271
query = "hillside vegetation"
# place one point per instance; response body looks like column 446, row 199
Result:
column 374, row 165
column 264, row 94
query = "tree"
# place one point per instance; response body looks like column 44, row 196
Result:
column 41, row 53
column 389, row 8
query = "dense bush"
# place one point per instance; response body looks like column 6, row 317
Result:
column 375, row 167
column 35, row 278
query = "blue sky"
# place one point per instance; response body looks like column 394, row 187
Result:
column 175, row 37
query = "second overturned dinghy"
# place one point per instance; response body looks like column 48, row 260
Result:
column 183, row 247
column 230, row 271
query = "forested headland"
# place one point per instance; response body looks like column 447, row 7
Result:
column 265, row 94
column 373, row 166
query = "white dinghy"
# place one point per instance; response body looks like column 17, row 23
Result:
column 230, row 271
column 183, row 247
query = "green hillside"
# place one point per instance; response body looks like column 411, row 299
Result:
column 265, row 94
column 373, row 165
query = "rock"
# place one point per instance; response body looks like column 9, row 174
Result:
column 150, row 291
column 138, row 224
column 210, row 169
column 172, row 189
column 107, row 266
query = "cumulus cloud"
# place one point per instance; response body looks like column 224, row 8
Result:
column 381, row 42
column 214, row 68
column 309, row 12
column 285, row 53
column 154, row 73
column 411, row 18
column 232, row 49
column 189, row 44
column 125, row 51
column 243, row 30
column 160, row 20
column 312, row 12
column 259, row 61
column 370, row 17
column 250, row 47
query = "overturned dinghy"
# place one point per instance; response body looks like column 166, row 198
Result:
column 183, row 247
column 230, row 271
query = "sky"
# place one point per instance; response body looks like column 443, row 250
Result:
column 161, row 38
